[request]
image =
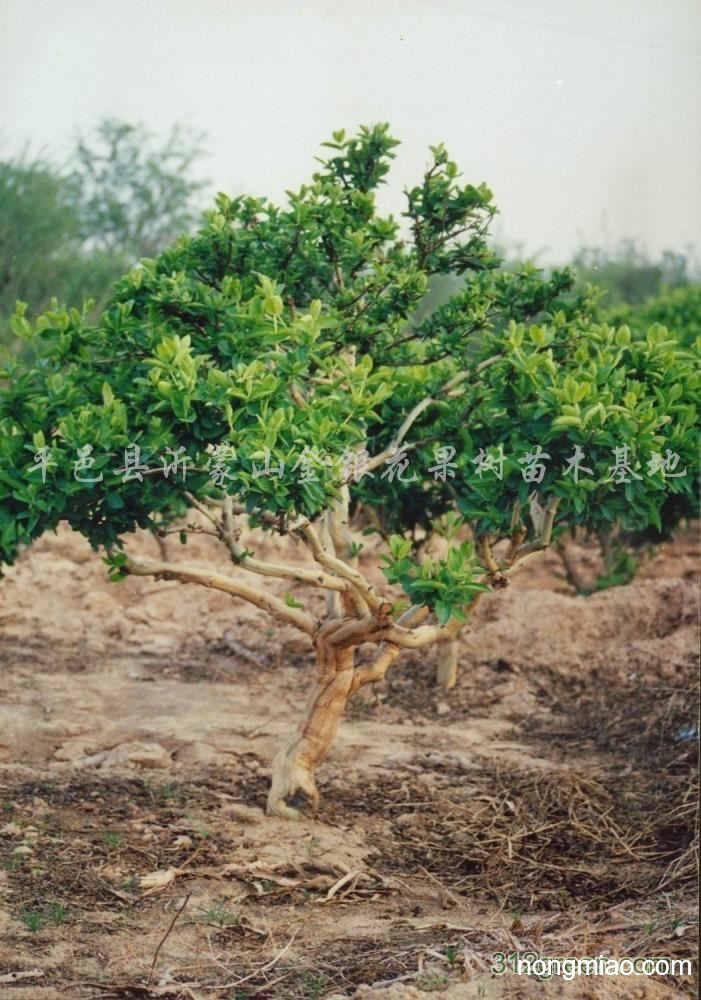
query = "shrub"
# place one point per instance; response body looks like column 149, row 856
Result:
column 624, row 551
column 679, row 310
column 276, row 354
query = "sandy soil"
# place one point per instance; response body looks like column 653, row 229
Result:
column 546, row 805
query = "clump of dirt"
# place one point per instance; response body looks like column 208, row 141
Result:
column 547, row 804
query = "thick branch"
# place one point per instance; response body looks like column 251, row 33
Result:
column 424, row 635
column 376, row 670
column 314, row 578
column 207, row 578
column 361, row 586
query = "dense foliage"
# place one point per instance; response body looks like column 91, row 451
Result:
column 279, row 329
column 679, row 310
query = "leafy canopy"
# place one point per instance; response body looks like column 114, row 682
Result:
column 276, row 329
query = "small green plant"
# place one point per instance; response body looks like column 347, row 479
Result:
column 54, row 913
column 131, row 884
column 112, row 839
column 33, row 920
column 220, row 916
column 451, row 953
column 171, row 792
column 13, row 863
column 57, row 913
column 431, row 982
column 314, row 984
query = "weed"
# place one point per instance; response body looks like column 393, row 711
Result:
column 451, row 953
column 112, row 839
column 33, row 920
column 314, row 983
column 131, row 884
column 57, row 913
column 221, row 916
column 171, row 792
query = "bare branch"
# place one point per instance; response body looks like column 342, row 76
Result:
column 544, row 520
column 196, row 574
column 241, row 556
column 360, row 630
column 201, row 507
column 413, row 615
column 424, row 635
column 361, row 586
column 376, row 670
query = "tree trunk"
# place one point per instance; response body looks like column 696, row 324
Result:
column 447, row 668
column 294, row 765
column 572, row 574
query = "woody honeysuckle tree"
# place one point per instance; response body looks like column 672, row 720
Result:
column 283, row 339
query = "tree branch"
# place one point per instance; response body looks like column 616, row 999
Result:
column 314, row 578
column 206, row 578
column 365, row 590
column 424, row 635
column 377, row 668
column 414, row 414
column 544, row 520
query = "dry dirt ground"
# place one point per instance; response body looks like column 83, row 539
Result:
column 546, row 805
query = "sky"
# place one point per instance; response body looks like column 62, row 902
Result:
column 584, row 116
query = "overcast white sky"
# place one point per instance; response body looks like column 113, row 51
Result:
column 584, row 116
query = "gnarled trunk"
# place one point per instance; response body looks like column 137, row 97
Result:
column 447, row 666
column 294, row 765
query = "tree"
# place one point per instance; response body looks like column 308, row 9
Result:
column 70, row 231
column 39, row 236
column 627, row 275
column 136, row 195
column 281, row 340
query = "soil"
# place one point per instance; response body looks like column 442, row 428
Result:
column 546, row 805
